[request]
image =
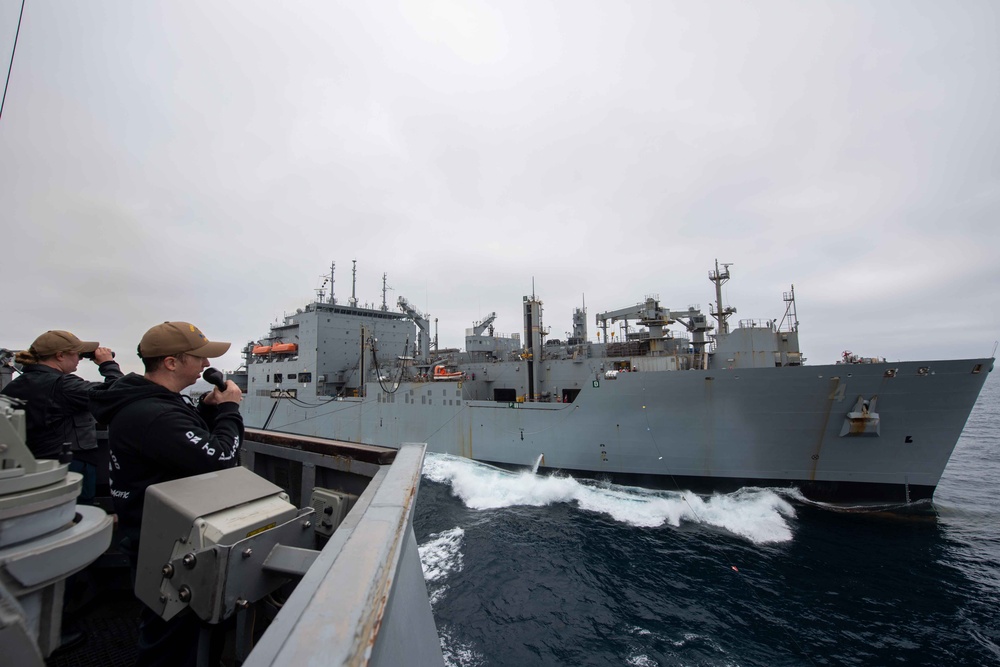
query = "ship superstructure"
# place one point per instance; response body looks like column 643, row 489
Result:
column 665, row 397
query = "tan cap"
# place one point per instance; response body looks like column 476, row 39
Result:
column 172, row 338
column 55, row 341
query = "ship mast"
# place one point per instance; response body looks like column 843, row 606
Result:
column 354, row 283
column 321, row 292
column 720, row 278
column 791, row 314
column 333, row 266
column 384, row 288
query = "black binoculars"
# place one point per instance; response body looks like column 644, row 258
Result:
column 90, row 355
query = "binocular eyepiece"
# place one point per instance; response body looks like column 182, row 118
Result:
column 90, row 355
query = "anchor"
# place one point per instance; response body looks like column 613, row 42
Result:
column 862, row 421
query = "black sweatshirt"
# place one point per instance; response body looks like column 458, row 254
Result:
column 157, row 435
column 57, row 407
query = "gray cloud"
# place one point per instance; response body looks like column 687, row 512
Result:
column 207, row 161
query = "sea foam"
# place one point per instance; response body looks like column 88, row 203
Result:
column 756, row 514
column 440, row 556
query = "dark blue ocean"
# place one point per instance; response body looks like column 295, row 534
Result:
column 535, row 570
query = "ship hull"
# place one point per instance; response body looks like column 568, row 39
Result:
column 695, row 429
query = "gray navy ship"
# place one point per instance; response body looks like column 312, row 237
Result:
column 665, row 398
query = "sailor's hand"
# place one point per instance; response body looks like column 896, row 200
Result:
column 103, row 354
column 232, row 394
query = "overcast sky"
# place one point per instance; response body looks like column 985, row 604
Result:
column 207, row 161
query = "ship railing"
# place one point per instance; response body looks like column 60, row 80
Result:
column 368, row 570
column 757, row 324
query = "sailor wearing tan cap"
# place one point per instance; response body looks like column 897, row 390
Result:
column 157, row 435
column 56, row 407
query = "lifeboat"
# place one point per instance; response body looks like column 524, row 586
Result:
column 261, row 349
column 442, row 373
column 285, row 348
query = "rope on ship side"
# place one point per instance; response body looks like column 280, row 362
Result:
column 378, row 371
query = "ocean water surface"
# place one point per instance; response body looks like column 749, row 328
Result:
column 525, row 569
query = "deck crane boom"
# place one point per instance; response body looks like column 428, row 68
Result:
column 423, row 325
column 479, row 327
column 654, row 316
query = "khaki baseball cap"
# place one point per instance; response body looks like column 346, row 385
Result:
column 170, row 338
column 54, row 341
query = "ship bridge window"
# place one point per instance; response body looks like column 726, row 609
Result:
column 291, row 376
column 277, row 378
column 305, row 377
